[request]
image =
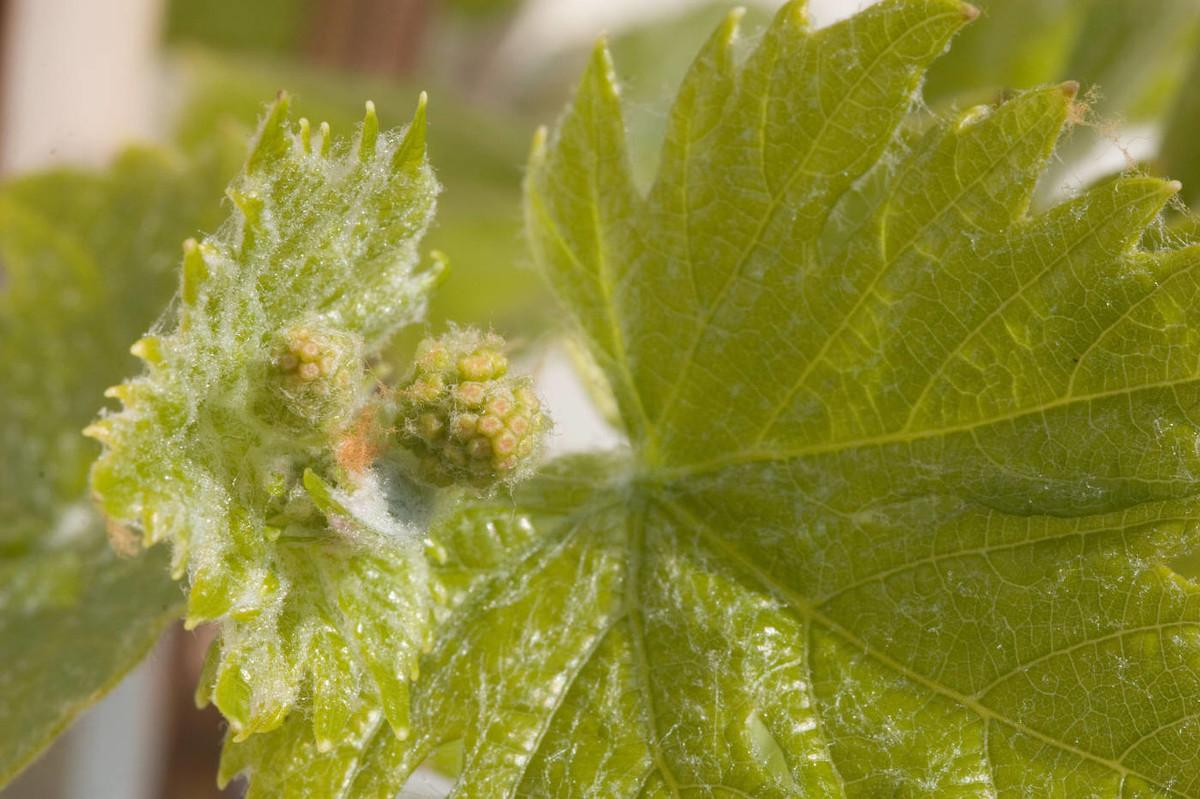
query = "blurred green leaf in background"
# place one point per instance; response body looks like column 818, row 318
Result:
column 87, row 262
column 275, row 27
column 1180, row 153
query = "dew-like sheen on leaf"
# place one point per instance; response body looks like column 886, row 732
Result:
column 247, row 443
column 906, row 462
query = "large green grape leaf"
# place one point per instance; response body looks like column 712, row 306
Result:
column 247, row 443
column 908, row 459
column 906, row 462
column 86, row 261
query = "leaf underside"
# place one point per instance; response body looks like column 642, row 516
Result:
column 906, row 463
column 902, row 499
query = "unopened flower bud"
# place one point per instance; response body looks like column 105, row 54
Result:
column 317, row 372
column 466, row 418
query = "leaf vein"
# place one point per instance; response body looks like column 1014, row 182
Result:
column 802, row 607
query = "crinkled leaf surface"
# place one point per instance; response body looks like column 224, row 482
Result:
column 477, row 151
column 284, row 538
column 86, row 264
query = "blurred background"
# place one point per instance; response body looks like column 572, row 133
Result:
column 96, row 95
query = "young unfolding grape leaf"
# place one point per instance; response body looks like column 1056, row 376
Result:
column 85, row 266
column 477, row 148
column 250, row 442
column 906, row 459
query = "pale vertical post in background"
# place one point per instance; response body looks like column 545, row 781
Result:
column 79, row 79
column 117, row 746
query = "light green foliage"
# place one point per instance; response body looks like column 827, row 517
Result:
column 478, row 151
column 247, row 443
column 906, row 458
column 86, row 264
column 468, row 420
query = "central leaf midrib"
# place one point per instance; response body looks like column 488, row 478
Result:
column 635, row 522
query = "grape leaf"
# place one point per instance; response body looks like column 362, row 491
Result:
column 906, row 462
column 246, row 444
column 1130, row 58
column 1135, row 53
column 478, row 152
column 85, row 260
column 74, row 618
column 909, row 459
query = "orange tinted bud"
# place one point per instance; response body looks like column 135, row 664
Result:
column 470, row 393
column 490, row 426
column 465, row 426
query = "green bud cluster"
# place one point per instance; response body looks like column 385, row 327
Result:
column 318, row 372
column 464, row 416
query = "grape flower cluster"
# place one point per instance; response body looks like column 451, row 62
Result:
column 464, row 416
column 318, row 372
